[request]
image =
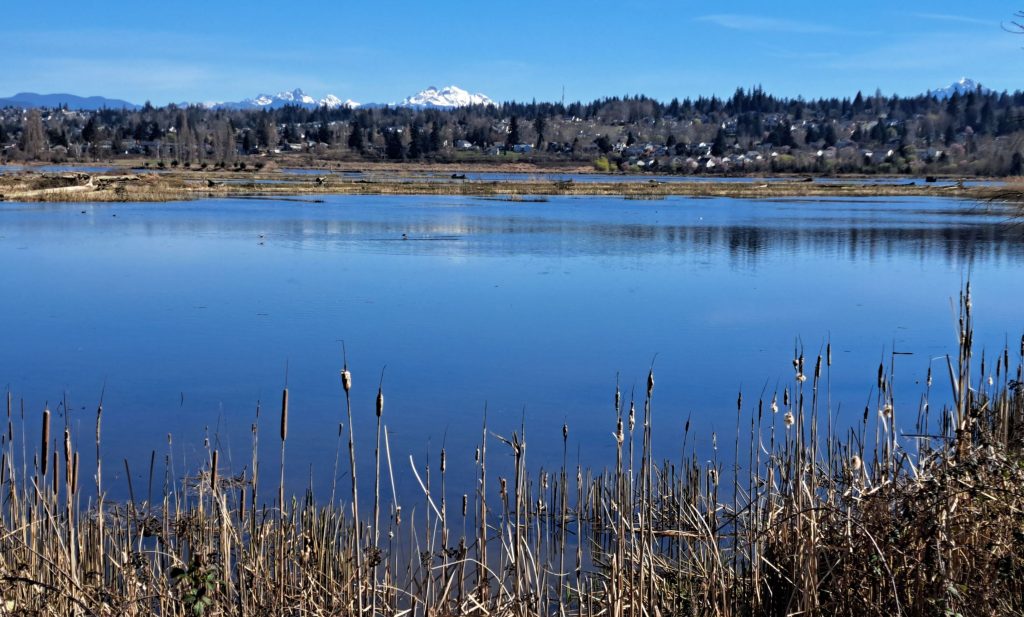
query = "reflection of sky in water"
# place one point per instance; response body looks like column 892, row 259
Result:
column 190, row 311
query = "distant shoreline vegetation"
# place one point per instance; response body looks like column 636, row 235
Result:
column 961, row 132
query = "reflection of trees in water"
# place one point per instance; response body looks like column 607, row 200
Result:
column 955, row 238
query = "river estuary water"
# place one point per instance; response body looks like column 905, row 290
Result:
column 186, row 315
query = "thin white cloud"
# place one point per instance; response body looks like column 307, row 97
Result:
column 759, row 23
column 960, row 19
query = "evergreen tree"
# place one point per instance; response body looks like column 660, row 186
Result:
column 538, row 127
column 513, row 133
column 394, row 149
column 355, row 139
column 718, row 146
column 435, row 137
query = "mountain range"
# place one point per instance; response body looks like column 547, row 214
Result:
column 91, row 103
column 449, row 97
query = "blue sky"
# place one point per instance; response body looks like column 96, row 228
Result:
column 383, row 51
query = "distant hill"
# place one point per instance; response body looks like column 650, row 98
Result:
column 31, row 99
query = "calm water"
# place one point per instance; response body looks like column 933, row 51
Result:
column 189, row 313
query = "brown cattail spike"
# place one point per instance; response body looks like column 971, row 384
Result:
column 284, row 414
column 213, row 472
column 45, row 457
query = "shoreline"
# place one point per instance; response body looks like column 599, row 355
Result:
column 27, row 185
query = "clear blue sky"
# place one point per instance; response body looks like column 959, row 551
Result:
column 382, row 51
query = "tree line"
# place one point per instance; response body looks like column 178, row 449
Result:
column 978, row 131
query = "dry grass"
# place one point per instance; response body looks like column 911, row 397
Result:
column 184, row 185
column 817, row 519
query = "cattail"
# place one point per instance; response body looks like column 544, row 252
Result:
column 74, row 474
column 380, row 402
column 650, row 383
column 713, row 475
column 788, row 419
column 444, row 459
column 465, row 505
column 886, row 411
column 46, row 440
column 775, row 404
column 67, row 457
column 632, row 415
column 817, row 369
column 881, row 376
column 739, row 401
column 346, row 379
column 284, row 414
column 618, row 397
column 855, row 463
column 618, row 431
column 801, row 377
column 929, row 381
column 828, row 354
column 565, row 432
column 785, row 397
column 213, row 472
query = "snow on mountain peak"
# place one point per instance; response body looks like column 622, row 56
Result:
column 449, row 96
column 293, row 97
column 961, row 87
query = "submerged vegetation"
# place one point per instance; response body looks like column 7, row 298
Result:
column 809, row 518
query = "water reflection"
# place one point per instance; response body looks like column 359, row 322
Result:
column 189, row 312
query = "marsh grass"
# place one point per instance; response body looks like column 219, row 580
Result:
column 185, row 185
column 816, row 518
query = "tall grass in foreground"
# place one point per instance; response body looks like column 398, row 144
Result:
column 822, row 520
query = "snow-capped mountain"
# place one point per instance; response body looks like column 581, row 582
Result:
column 961, row 87
column 282, row 99
column 447, row 97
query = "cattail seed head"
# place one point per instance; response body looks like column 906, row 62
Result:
column 380, row 402
column 444, row 460
column 650, row 382
column 45, row 457
column 828, row 354
column 855, row 463
column 284, row 414
column 788, row 419
column 785, row 397
column 465, row 504
column 213, row 472
column 346, row 379
column 565, row 433
column 74, row 474
column 775, row 404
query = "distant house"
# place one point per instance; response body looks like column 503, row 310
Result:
column 462, row 144
column 522, row 148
